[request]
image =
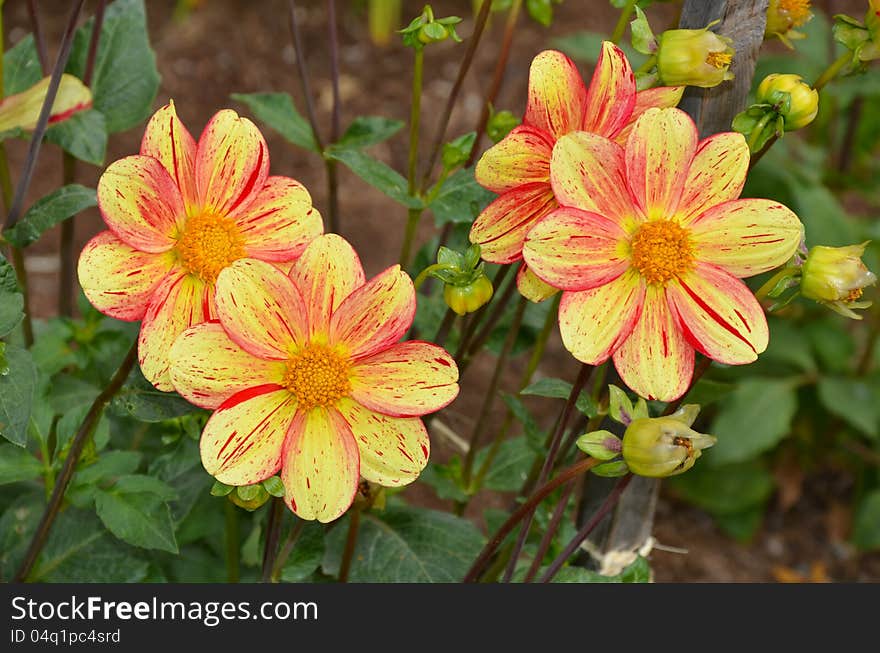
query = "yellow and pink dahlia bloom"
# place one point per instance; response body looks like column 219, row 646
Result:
column 649, row 246
column 306, row 375
column 179, row 213
column 518, row 167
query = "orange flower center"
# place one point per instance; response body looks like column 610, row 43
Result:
column 318, row 376
column 661, row 250
column 719, row 60
column 209, row 243
column 798, row 11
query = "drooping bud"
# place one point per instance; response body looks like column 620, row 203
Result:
column 466, row 286
column 836, row 277
column 664, row 446
column 784, row 17
column 694, row 57
column 427, row 29
column 22, row 110
column 795, row 100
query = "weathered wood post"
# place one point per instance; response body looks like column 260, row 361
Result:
column 629, row 527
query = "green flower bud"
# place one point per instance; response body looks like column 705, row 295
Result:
column 797, row 101
column 836, row 277
column 500, row 124
column 694, row 57
column 249, row 497
column 602, row 445
column 468, row 298
column 664, row 446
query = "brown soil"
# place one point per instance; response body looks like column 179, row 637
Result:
column 227, row 46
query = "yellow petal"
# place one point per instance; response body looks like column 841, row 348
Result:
column 502, row 226
column 521, row 157
column 393, row 450
column 557, row 96
column 243, row 441
column 660, row 97
column 612, row 93
column 321, row 465
column 532, row 287
column 168, row 140
column 22, row 110
column 716, row 174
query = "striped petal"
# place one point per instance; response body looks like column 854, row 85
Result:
column 393, row 450
column 119, row 280
column 502, row 226
column 207, row 367
column 612, row 93
column 243, row 441
column 141, row 203
column 716, row 174
column 719, row 315
column 532, row 287
column 594, row 323
column 656, row 361
column 576, row 250
column 328, row 271
column 747, row 237
column 376, row 315
column 261, row 309
column 521, row 157
column 169, row 141
column 232, row 163
column 321, row 465
column 588, row 172
column 661, row 97
column 557, row 96
column 177, row 304
column 279, row 222
column 658, row 153
column 406, row 380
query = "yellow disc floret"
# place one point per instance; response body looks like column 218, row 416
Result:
column 661, row 250
column 318, row 376
column 209, row 243
column 719, row 59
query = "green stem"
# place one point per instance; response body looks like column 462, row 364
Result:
column 232, row 540
column 832, row 71
column 273, row 533
column 623, row 21
column 67, row 261
column 48, row 472
column 424, row 274
column 758, row 129
column 292, row 537
column 764, row 291
column 354, row 525
column 414, row 215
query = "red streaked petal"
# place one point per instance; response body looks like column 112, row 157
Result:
column 612, row 93
column 168, row 140
column 716, row 174
column 661, row 97
column 557, row 95
column 521, row 157
column 532, row 287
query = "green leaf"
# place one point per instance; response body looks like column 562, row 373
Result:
column 742, row 526
column 142, row 401
column 755, row 417
column 378, row 175
column 137, row 483
column 866, row 524
column 306, row 556
column 788, row 345
column 643, row 39
column 559, row 389
column 365, row 131
column 461, row 199
column 444, row 479
column 541, row 11
column 833, row 345
column 110, row 464
column 278, row 112
column 726, row 490
column 125, row 79
column 139, row 518
column 17, row 464
column 48, row 211
column 853, row 400
column 510, row 467
column 21, row 67
column 406, row 545
column 11, row 299
column 17, row 395
column 83, row 135
column 17, row 526
column 637, row 572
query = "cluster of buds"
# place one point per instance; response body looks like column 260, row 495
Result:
column 250, row 497
column 860, row 38
column 427, row 29
column 683, row 57
column 654, row 447
column 466, row 286
column 784, row 17
column 783, row 103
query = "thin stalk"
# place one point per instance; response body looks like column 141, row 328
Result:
column 847, row 149
column 292, row 537
column 66, row 474
column 867, row 357
column 552, row 528
column 550, row 460
column 303, row 71
column 464, row 67
column 526, row 508
column 273, row 533
column 489, row 399
column 758, row 129
column 482, row 337
column 332, row 178
column 497, row 78
column 354, row 525
column 413, row 215
column 623, row 21
column 445, row 327
column 586, row 529
column 232, row 539
column 46, row 455
column 39, row 39
column 24, row 183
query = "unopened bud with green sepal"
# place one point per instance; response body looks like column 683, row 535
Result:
column 694, row 57
column 601, row 445
column 657, row 447
column 427, row 29
column 837, row 277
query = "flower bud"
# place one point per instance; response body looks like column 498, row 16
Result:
column 694, row 57
column 469, row 297
column 22, row 110
column 249, row 497
column 500, row 124
column 836, row 276
column 664, row 446
column 797, row 101
column 601, row 445
column 783, row 16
